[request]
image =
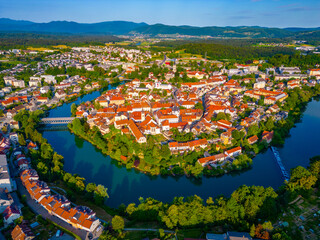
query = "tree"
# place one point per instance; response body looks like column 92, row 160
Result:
column 301, row 179
column 253, row 130
column 22, row 141
column 117, row 223
column 252, row 230
column 91, row 187
column 269, row 124
column 73, row 109
column 198, row 106
column 100, row 194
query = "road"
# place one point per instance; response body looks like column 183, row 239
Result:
column 163, row 61
column 38, row 209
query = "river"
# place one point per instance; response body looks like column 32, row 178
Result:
column 126, row 186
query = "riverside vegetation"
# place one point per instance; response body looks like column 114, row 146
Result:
column 155, row 158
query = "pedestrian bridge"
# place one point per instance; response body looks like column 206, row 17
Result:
column 57, row 120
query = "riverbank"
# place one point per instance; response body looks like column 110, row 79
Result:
column 127, row 185
column 136, row 159
column 156, row 159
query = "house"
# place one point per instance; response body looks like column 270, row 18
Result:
column 14, row 125
column 49, row 79
column 211, row 159
column 42, row 100
column 118, row 100
column 13, row 137
column 22, row 232
column 29, row 174
column 253, row 139
column 267, row 136
column 188, row 146
column 34, row 83
column 234, row 152
column 140, row 138
column 32, row 145
column 18, row 83
column 44, row 89
column 211, row 236
column 23, row 164
column 226, row 137
column 60, row 94
column 238, row 236
column 5, row 180
column 5, row 199
column 11, row 213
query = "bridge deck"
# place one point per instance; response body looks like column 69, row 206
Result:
column 57, row 120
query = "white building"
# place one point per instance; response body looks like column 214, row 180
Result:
column 49, row 79
column 5, row 180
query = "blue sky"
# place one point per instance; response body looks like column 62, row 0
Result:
column 268, row 13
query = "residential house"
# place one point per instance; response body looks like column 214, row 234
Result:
column 5, row 199
column 5, row 180
column 22, row 232
column 11, row 213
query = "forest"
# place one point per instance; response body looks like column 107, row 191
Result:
column 21, row 40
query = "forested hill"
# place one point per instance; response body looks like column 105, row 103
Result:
column 109, row 28
column 125, row 28
column 235, row 32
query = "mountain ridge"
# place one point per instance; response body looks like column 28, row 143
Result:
column 132, row 28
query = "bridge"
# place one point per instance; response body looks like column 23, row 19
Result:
column 57, row 120
column 284, row 172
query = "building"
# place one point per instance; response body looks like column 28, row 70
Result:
column 238, row 236
column 5, row 199
column 11, row 213
column 18, row 84
column 49, row 79
column 140, row 138
column 211, row 236
column 22, row 232
column 5, row 180
column 253, row 139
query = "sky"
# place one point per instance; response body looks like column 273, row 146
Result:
column 266, row 13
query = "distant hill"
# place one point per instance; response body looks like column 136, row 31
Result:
column 238, row 32
column 125, row 28
column 108, row 28
column 295, row 29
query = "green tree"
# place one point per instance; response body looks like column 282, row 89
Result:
column 22, row 140
column 100, row 194
column 73, row 109
column 301, row 179
column 252, row 230
column 198, row 106
column 117, row 223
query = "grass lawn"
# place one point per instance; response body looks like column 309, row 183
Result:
column 38, row 48
column 154, row 225
column 138, row 235
column 190, row 233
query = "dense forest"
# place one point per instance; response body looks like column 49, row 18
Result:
column 22, row 40
column 242, row 51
